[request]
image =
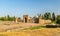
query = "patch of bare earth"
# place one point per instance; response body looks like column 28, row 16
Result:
column 7, row 26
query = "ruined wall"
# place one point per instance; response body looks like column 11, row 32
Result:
column 45, row 22
column 25, row 18
column 28, row 19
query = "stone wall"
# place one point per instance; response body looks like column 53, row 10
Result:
column 42, row 21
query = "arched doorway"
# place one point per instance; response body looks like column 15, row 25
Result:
column 25, row 20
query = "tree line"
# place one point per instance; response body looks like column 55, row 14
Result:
column 8, row 18
column 51, row 16
column 47, row 16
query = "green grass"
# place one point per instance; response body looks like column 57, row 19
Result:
column 37, row 27
column 34, row 28
column 2, row 35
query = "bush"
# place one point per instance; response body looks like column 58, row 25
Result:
column 58, row 19
column 51, row 26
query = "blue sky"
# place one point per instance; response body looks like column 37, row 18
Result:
column 30, row 7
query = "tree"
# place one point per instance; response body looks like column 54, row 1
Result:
column 42, row 16
column 53, row 17
column 47, row 16
column 5, row 19
column 14, row 18
column 2, row 18
column 8, row 17
column 19, row 18
column 58, row 19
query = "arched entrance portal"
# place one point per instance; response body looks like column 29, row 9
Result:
column 25, row 20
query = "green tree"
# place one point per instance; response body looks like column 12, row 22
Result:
column 58, row 19
column 53, row 17
column 47, row 16
column 14, row 18
column 8, row 17
column 2, row 18
column 42, row 16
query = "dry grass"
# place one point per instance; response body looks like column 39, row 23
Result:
column 40, row 32
column 13, row 27
column 8, row 25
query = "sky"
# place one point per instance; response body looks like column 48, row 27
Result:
column 19, row 8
